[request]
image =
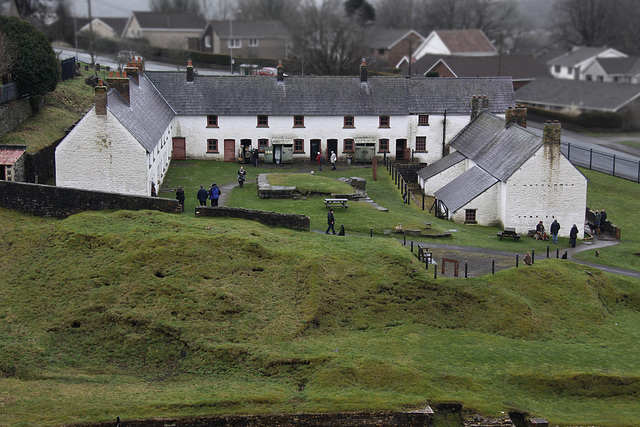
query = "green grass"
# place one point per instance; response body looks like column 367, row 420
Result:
column 62, row 108
column 145, row 314
column 619, row 198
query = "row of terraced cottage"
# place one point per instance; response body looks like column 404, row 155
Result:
column 482, row 164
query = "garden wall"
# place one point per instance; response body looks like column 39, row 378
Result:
column 13, row 113
column 294, row 221
column 59, row 202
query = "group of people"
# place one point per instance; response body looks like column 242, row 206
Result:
column 600, row 216
column 213, row 194
column 320, row 160
column 541, row 233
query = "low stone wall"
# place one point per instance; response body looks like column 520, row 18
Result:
column 59, row 202
column 405, row 419
column 13, row 113
column 293, row 221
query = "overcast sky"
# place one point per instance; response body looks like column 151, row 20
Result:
column 105, row 8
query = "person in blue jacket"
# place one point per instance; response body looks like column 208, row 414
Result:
column 214, row 194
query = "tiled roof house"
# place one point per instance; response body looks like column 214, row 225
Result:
column 456, row 43
column 164, row 30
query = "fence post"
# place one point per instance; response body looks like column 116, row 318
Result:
column 639, row 171
column 614, row 166
column 435, row 271
column 465, row 269
column 590, row 158
column 517, row 259
column 412, row 246
column 423, row 190
column 493, row 266
column 371, row 234
column 547, row 251
column 533, row 256
column 569, row 151
column 557, row 252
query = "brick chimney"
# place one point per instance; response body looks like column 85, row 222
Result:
column 189, row 71
column 138, row 63
column 516, row 115
column 363, row 71
column 132, row 71
column 280, row 71
column 101, row 98
column 551, row 133
column 475, row 107
column 119, row 83
column 509, row 116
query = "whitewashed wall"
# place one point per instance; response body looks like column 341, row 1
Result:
column 545, row 188
column 196, row 133
column 158, row 160
column 486, row 205
column 436, row 182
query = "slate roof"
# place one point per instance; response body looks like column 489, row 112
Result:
column 465, row 188
column 387, row 37
column 576, row 56
column 251, row 29
column 466, row 41
column 519, row 67
column 117, row 24
column 146, row 117
column 9, row 156
column 441, row 164
column 498, row 150
column 585, row 95
column 629, row 66
column 174, row 21
column 322, row 95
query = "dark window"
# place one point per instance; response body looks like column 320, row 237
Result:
column 298, row 121
column 470, row 215
column 557, row 68
column 298, row 145
column 423, row 120
column 384, row 121
column 212, row 145
column 349, row 121
column 262, row 144
column 212, row 121
column 383, row 146
column 421, row 143
column 263, row 121
column 348, row 146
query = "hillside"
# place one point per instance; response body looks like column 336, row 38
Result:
column 143, row 314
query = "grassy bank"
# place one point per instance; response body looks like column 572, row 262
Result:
column 143, row 314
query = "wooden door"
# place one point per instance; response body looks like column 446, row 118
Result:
column 179, row 149
column 229, row 150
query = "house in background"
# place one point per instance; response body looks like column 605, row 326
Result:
column 501, row 174
column 12, row 163
column 615, row 70
column 571, row 65
column 389, row 45
column 456, row 43
column 584, row 96
column 259, row 39
column 102, row 27
column 173, row 31
column 125, row 143
column 521, row 68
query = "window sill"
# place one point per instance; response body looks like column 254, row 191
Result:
column 262, row 126
column 471, row 222
column 384, row 151
column 213, row 152
column 297, row 126
column 384, row 127
column 420, row 151
column 212, row 126
column 423, row 124
column 298, row 152
column 348, row 127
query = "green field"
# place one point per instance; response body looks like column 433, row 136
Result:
column 145, row 314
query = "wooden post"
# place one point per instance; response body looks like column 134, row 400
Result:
column 375, row 168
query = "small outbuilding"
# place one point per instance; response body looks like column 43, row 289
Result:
column 12, row 162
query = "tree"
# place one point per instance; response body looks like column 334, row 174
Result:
column 400, row 14
column 36, row 68
column 360, row 10
column 7, row 56
column 175, row 6
column 585, row 22
column 267, row 10
column 330, row 42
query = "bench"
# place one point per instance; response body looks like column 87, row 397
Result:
column 509, row 232
column 423, row 254
column 340, row 203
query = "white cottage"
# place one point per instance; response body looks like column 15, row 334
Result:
column 502, row 174
column 149, row 118
column 123, row 145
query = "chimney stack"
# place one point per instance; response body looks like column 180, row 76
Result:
column 521, row 116
column 551, row 133
column 475, row 107
column 509, row 116
column 280, row 71
column 132, row 71
column 101, row 98
column 121, row 84
column 363, row 71
column 189, row 71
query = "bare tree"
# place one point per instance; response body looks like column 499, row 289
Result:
column 400, row 13
column 584, row 22
column 329, row 42
column 267, row 10
column 176, row 6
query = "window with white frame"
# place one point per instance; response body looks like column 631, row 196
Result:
column 234, row 43
column 207, row 41
column 253, row 42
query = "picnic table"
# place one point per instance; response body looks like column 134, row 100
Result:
column 509, row 232
column 340, row 203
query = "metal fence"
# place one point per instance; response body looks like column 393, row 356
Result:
column 610, row 164
column 8, row 92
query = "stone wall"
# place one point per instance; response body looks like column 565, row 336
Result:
column 294, row 221
column 41, row 165
column 58, row 202
column 13, row 113
column 405, row 419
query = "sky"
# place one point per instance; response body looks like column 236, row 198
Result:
column 104, row 8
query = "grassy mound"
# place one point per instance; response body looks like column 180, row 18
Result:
column 187, row 316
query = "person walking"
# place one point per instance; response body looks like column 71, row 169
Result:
column 319, row 161
column 573, row 235
column 241, row 176
column 333, row 160
column 153, row 190
column 202, row 196
column 555, row 227
column 214, row 194
column 180, row 197
column 603, row 218
column 596, row 222
column 331, row 222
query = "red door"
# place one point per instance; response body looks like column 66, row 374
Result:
column 179, row 149
column 229, row 150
